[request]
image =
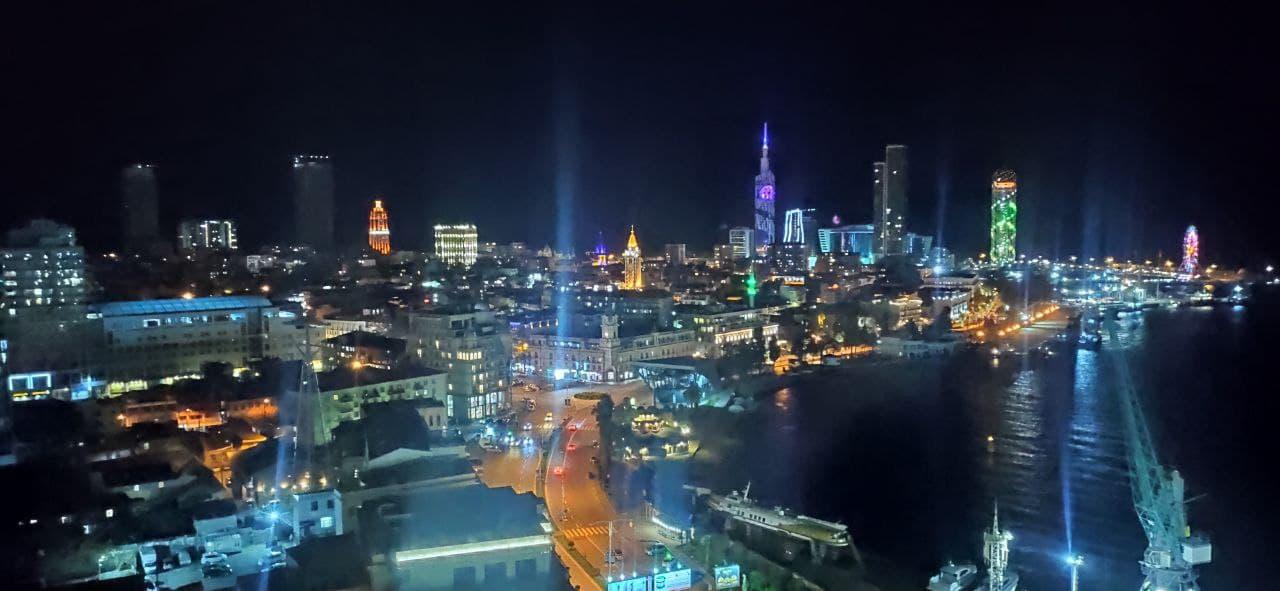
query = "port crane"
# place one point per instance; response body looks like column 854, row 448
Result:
column 1159, row 499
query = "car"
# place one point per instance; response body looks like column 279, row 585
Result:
column 654, row 549
column 571, row 447
column 595, row 460
column 595, row 443
column 558, row 470
column 550, row 417
column 273, row 560
column 572, row 427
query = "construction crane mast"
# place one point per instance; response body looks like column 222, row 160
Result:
column 1159, row 499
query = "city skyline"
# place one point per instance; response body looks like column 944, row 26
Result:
column 428, row 297
column 1089, row 174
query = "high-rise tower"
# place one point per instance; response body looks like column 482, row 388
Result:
column 632, row 264
column 379, row 232
column 1004, row 217
column 313, row 201
column 890, row 201
column 765, row 196
column 141, row 206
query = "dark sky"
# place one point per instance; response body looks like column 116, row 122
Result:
column 1124, row 125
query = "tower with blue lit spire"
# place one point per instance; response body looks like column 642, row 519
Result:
column 602, row 253
column 765, row 195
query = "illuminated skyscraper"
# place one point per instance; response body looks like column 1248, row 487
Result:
column 141, row 206
column 742, row 242
column 764, row 196
column 313, row 201
column 793, row 227
column 1004, row 217
column 1190, row 251
column 457, row 244
column 632, row 264
column 379, row 232
column 200, row 235
column 890, row 201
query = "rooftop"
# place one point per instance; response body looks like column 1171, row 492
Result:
column 209, row 304
column 360, row 338
column 345, row 377
column 448, row 516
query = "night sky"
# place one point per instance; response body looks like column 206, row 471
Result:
column 1123, row 126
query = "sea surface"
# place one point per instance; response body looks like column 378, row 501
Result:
column 908, row 467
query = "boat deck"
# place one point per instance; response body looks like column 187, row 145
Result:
column 816, row 532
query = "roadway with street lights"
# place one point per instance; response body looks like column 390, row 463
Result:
column 573, row 489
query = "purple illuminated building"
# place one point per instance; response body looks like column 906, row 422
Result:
column 764, row 195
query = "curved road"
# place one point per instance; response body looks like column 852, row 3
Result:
column 576, row 500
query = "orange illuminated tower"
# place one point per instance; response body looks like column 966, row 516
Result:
column 379, row 233
column 632, row 264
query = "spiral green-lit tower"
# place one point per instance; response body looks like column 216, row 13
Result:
column 1004, row 217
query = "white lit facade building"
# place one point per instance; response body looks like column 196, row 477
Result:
column 474, row 348
column 45, row 332
column 457, row 244
column 204, row 235
column 719, row 327
column 606, row 357
column 742, row 243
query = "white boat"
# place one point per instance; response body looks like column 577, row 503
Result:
column 954, row 577
column 740, row 507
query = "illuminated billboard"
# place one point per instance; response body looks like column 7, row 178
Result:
column 675, row 580
column 728, row 577
column 636, row 584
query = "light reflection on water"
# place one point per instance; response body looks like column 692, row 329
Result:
column 911, row 472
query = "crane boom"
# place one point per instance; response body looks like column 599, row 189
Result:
column 1159, row 500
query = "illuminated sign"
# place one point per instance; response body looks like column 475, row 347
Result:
column 675, row 580
column 1005, row 185
column 636, row 584
column 728, row 577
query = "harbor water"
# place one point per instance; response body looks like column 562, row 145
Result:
column 901, row 453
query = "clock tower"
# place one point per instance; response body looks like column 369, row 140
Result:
column 764, row 196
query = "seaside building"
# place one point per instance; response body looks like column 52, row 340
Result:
column 1004, row 217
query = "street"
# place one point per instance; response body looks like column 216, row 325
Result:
column 576, row 499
